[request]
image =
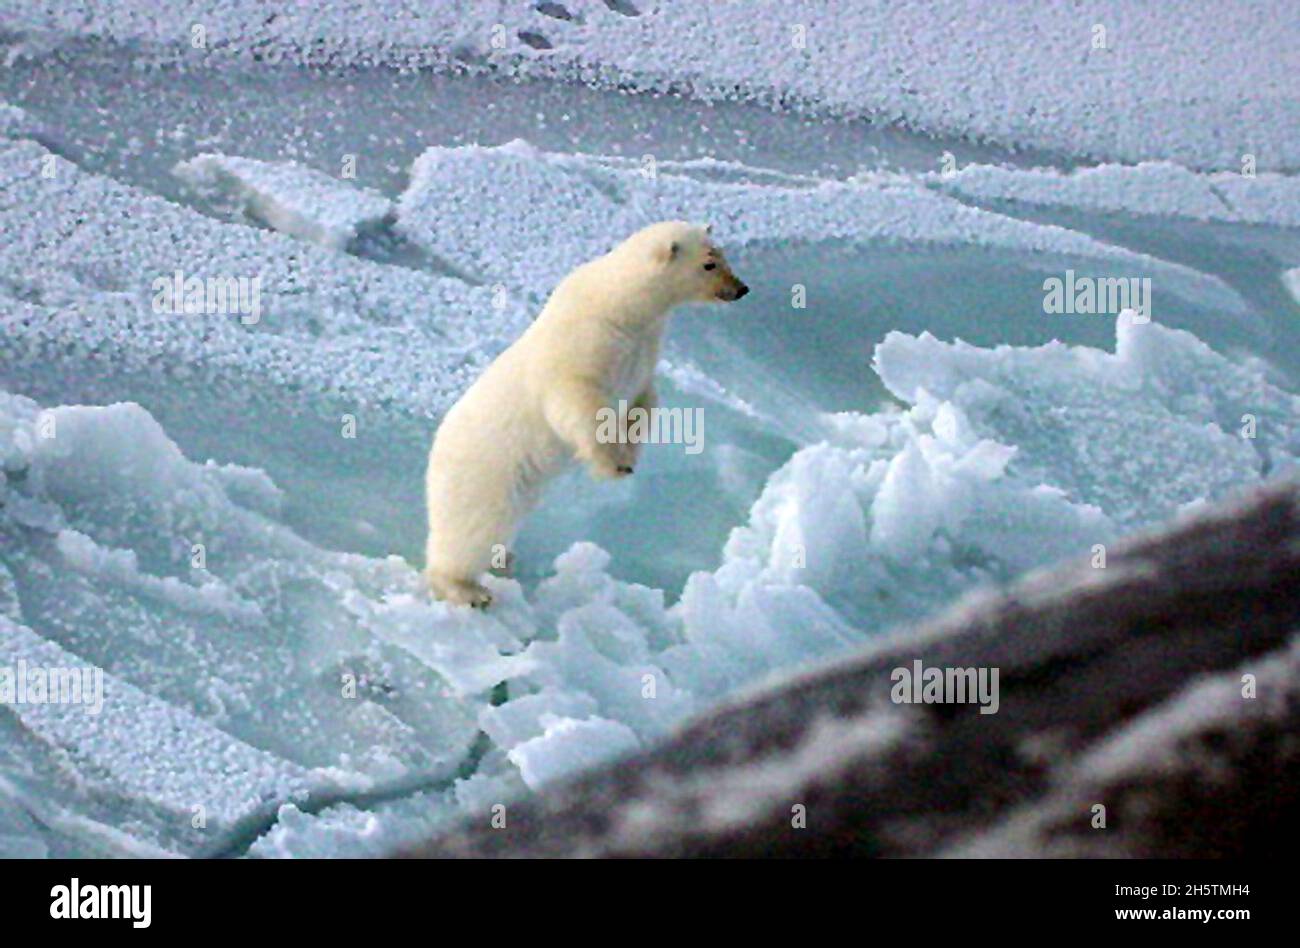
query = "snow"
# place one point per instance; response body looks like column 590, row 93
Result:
column 1291, row 280
column 288, row 197
column 993, row 72
column 1058, row 406
column 169, row 766
column 183, row 506
column 492, row 213
column 192, row 652
column 861, row 532
column 1157, row 187
column 516, row 721
column 567, row 746
column 121, row 567
column 346, row 328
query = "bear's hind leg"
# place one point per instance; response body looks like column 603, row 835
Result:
column 459, row 592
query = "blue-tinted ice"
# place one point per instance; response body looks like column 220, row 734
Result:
column 225, row 516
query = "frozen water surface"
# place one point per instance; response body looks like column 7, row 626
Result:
column 224, row 515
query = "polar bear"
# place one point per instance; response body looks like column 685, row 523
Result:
column 536, row 407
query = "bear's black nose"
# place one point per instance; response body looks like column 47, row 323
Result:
column 741, row 291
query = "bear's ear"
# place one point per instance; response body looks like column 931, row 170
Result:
column 669, row 254
column 708, row 229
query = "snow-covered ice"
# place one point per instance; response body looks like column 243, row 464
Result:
column 1101, row 78
column 895, row 511
column 1291, row 280
column 291, row 198
column 222, row 514
column 1154, row 187
column 493, row 212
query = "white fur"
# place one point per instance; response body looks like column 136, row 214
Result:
column 535, row 408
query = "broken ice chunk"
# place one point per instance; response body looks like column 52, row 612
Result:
column 569, row 746
column 1291, row 280
column 286, row 196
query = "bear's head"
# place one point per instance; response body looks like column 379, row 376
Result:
column 686, row 264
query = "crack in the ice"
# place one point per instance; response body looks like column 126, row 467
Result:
column 238, row 841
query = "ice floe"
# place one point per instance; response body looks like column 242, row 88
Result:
column 291, row 198
column 318, row 675
column 1157, row 188
column 269, row 694
column 494, row 213
column 1108, row 78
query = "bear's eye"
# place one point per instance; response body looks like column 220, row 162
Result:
column 710, row 266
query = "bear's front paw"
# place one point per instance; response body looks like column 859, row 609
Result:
column 603, row 471
column 612, row 460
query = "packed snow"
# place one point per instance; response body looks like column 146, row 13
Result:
column 218, row 507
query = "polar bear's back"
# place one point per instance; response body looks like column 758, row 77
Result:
column 493, row 446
